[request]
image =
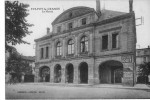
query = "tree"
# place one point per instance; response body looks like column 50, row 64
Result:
column 16, row 26
column 17, row 66
column 144, row 69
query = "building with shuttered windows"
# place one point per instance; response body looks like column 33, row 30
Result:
column 88, row 46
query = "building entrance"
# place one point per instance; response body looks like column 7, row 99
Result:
column 83, row 72
column 111, row 72
column 57, row 74
column 69, row 73
column 45, row 74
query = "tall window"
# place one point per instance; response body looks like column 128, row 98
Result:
column 105, row 42
column 84, row 44
column 59, row 49
column 47, row 52
column 115, row 40
column 59, row 29
column 70, row 26
column 42, row 53
column 71, row 47
column 83, row 21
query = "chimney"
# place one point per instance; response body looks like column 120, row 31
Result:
column 130, row 6
column 98, row 8
column 48, row 30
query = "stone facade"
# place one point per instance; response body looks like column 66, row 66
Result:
column 102, row 49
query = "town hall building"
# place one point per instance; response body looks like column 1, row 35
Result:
column 88, row 47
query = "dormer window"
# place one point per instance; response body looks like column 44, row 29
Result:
column 59, row 29
column 70, row 25
column 83, row 21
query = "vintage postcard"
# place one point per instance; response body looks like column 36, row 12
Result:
column 77, row 49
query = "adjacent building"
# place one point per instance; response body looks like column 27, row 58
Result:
column 142, row 55
column 88, row 47
column 30, row 60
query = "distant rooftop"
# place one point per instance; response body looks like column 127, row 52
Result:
column 30, row 58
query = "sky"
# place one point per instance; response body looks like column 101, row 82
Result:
column 42, row 20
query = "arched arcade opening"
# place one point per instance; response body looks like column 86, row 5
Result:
column 111, row 72
column 83, row 72
column 45, row 74
column 69, row 73
column 57, row 74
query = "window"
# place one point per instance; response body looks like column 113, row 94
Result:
column 47, row 52
column 145, row 52
column 144, row 59
column 59, row 49
column 115, row 40
column 83, row 21
column 105, row 42
column 59, row 29
column 71, row 47
column 42, row 53
column 84, row 44
column 138, row 53
column 70, row 26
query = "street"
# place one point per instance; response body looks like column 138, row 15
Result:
column 40, row 91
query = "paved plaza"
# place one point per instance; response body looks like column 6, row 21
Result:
column 49, row 91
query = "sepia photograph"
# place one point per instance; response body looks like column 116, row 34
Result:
column 76, row 49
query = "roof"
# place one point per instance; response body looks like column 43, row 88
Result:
column 30, row 58
column 75, row 12
column 143, row 49
column 107, row 14
column 81, row 10
column 47, row 36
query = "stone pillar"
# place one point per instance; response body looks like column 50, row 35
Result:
column 64, row 48
column 109, row 42
column 128, row 74
column 53, row 50
column 37, row 75
column 50, row 52
column 96, row 74
column 44, row 52
column 76, row 71
column 91, row 43
column 76, row 45
column 52, row 74
column 90, row 73
column 63, row 75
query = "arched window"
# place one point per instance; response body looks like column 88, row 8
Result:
column 84, row 44
column 70, row 46
column 59, row 49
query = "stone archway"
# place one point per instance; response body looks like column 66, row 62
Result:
column 45, row 74
column 111, row 72
column 83, row 72
column 69, row 73
column 57, row 74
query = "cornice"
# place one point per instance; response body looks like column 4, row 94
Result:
column 85, row 56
